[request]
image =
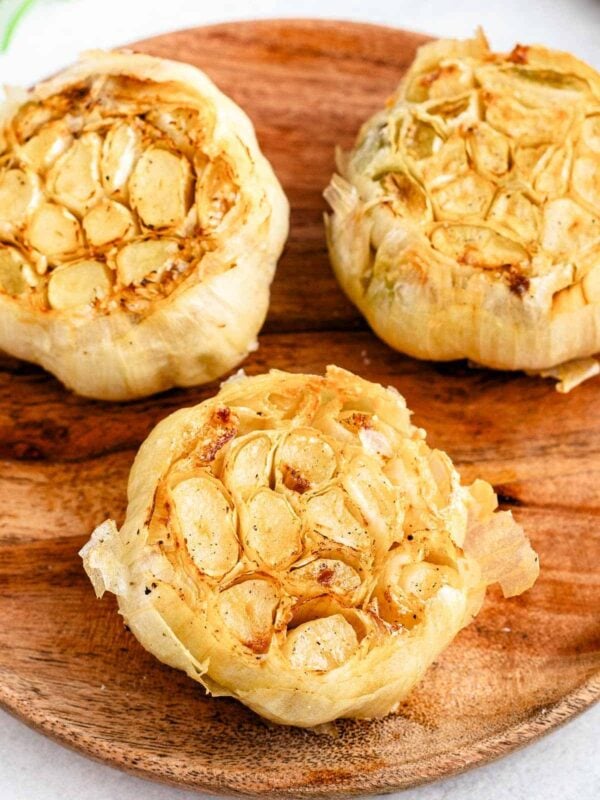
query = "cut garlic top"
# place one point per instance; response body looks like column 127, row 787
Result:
column 467, row 221
column 293, row 542
column 139, row 227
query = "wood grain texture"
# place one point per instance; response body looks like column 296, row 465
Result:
column 68, row 666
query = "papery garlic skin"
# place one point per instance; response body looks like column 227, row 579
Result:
column 294, row 543
column 140, row 227
column 466, row 219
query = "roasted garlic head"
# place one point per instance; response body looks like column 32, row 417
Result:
column 467, row 220
column 140, row 227
column 293, row 542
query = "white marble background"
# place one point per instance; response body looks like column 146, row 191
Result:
column 566, row 764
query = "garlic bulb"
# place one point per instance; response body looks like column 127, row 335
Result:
column 140, row 227
column 466, row 223
column 293, row 542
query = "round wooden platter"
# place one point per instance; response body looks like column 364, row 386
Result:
column 68, row 666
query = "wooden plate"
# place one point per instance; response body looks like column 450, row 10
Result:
column 68, row 667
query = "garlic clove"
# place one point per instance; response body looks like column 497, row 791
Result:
column 160, row 188
column 407, row 197
column 78, row 284
column 207, row 523
column 216, row 194
column 54, row 231
column 145, row 259
column 489, row 149
column 586, row 181
column 74, row 180
column 19, row 193
column 321, row 644
column 42, row 150
column 247, row 467
column 270, row 529
column 567, row 227
column 305, row 460
column 469, row 195
column 108, row 221
column 16, row 275
column 514, row 210
column 120, row 151
column 477, row 245
column 248, row 610
column 328, row 515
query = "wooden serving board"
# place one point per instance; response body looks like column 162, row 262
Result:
column 68, row 666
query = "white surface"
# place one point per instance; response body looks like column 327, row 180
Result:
column 566, row 764
column 55, row 32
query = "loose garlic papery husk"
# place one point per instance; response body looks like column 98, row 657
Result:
column 294, row 543
column 467, row 220
column 140, row 227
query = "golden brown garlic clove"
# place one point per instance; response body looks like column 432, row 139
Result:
column 120, row 151
column 145, row 258
column 207, row 523
column 55, row 232
column 78, row 284
column 271, row 530
column 160, row 188
column 74, row 180
column 248, row 610
column 108, row 221
column 321, row 644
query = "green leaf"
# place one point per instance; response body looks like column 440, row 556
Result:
column 12, row 23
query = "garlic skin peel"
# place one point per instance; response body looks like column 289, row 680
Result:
column 466, row 219
column 140, row 227
column 294, row 543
